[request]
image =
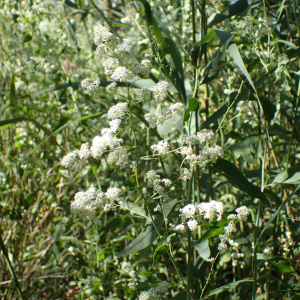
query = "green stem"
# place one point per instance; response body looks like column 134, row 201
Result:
column 190, row 249
column 11, row 269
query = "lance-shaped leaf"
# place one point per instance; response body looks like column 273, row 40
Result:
column 227, row 287
column 145, row 238
column 250, row 149
column 236, row 56
column 238, row 8
column 237, row 178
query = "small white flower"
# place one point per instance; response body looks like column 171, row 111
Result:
column 213, row 153
column 188, row 211
column 160, row 91
column 179, row 227
column 123, row 74
column 157, row 208
column 242, row 213
column 118, row 111
column 186, row 151
column 232, row 216
column 162, row 147
column 89, row 86
column 166, row 181
column 205, row 135
column 177, row 109
column 71, row 161
column 151, row 119
column 230, row 228
column 84, row 151
column 124, row 47
column 114, row 124
column 211, row 209
column 112, row 193
column 118, row 156
column 192, row 225
column 222, row 247
column 110, row 65
column 111, row 86
column 103, row 35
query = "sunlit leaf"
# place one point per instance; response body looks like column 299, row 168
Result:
column 237, row 179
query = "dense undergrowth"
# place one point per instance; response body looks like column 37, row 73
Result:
column 150, row 149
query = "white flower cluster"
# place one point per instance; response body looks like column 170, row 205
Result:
column 144, row 68
column 242, row 214
column 161, row 148
column 101, row 143
column 89, row 86
column 74, row 160
column 118, row 111
column 119, row 156
column 187, row 174
column 176, row 109
column 123, row 74
column 203, row 136
column 235, row 255
column 110, row 65
column 212, row 153
column 160, row 91
column 111, row 47
column 125, row 46
column 151, row 119
column 86, row 203
column 156, row 293
column 206, row 155
column 187, row 212
column 155, row 182
column 103, row 36
column 211, row 210
column 106, row 140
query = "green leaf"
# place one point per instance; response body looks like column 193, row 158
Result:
column 203, row 249
column 27, row 38
column 160, row 250
column 268, row 108
column 238, row 8
column 211, row 232
column 227, row 287
column 193, row 104
column 70, row 3
column 62, row 121
column 236, row 56
column 236, row 178
column 234, row 99
column 278, row 130
column 211, row 70
column 151, row 22
column 282, row 265
column 224, row 36
column 199, row 48
column 290, row 44
column 276, row 213
column 145, row 238
column 29, row 199
column 290, row 176
column 250, row 149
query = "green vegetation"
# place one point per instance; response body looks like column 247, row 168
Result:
column 150, row 149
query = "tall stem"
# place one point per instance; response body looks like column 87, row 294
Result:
column 10, row 267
